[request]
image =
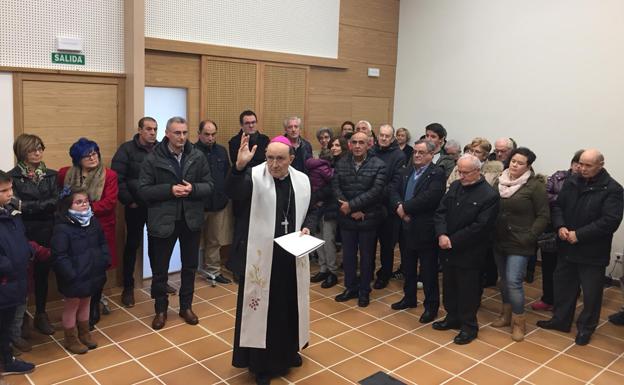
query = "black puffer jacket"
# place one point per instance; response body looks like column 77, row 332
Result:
column 394, row 158
column 594, row 210
column 80, row 257
column 127, row 163
column 363, row 189
column 467, row 215
column 158, row 175
column 15, row 253
column 38, row 204
column 219, row 167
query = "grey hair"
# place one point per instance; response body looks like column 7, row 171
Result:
column 387, row 125
column 476, row 163
column 430, row 146
column 367, row 123
column 175, row 119
column 508, row 142
column 294, row 117
column 324, row 130
column 452, row 143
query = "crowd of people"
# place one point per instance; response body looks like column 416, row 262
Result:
column 479, row 216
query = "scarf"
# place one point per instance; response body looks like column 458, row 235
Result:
column 94, row 182
column 508, row 187
column 82, row 217
column 35, row 175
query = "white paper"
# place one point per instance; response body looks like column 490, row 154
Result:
column 299, row 245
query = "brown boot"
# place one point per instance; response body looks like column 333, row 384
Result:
column 42, row 323
column 504, row 318
column 72, row 343
column 84, row 335
column 518, row 327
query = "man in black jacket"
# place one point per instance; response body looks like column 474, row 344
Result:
column 217, row 231
column 414, row 200
column 358, row 184
column 587, row 212
column 463, row 225
column 303, row 148
column 387, row 149
column 127, row 163
column 175, row 182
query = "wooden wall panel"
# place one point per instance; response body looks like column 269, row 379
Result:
column 164, row 69
column 375, row 110
column 60, row 113
column 284, row 95
column 374, row 14
column 328, row 111
column 353, row 81
column 368, row 45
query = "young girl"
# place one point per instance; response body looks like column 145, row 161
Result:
column 80, row 257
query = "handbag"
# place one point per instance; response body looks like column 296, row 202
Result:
column 547, row 242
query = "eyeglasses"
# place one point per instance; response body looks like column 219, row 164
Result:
column 91, row 155
column 421, row 152
column 252, row 123
column 81, row 202
column 36, row 149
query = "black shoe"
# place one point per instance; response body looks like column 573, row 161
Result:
column 582, row 338
column 127, row 297
column 380, row 283
column 464, row 338
column 617, row 318
column 263, row 379
column 320, row 276
column 427, row 317
column 16, row 366
column 363, row 300
column 552, row 325
column 94, row 315
column 297, row 361
column 330, row 281
column 221, row 279
column 403, row 304
column 346, row 295
column 398, row 274
column 445, row 325
column 170, row 289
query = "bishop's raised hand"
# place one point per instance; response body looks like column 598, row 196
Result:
column 244, row 153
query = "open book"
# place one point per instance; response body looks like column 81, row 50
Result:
column 299, row 245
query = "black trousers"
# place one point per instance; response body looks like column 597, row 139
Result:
column 567, row 279
column 489, row 271
column 41, row 271
column 388, row 235
column 549, row 263
column 160, row 250
column 7, row 316
column 352, row 240
column 461, row 295
column 135, row 222
column 428, row 257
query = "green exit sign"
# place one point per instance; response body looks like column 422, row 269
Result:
column 68, row 58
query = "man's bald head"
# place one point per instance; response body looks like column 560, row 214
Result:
column 279, row 156
column 359, row 144
column 591, row 163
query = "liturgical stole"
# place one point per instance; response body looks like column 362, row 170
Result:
column 260, row 257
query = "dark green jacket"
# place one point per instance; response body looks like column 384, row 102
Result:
column 522, row 218
column 158, row 175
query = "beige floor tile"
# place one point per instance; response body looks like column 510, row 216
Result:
column 218, row 323
column 355, row 341
column 308, row 368
column 225, row 302
column 140, row 346
column 128, row 373
column 476, row 349
column 613, row 345
column 356, row 369
column 353, row 317
column 387, row 357
column 126, row 330
column 57, row 371
column 326, row 353
column 388, row 299
column 142, row 309
column 227, row 336
column 166, row 361
column 438, row 336
column 574, row 367
column 486, row 375
column 617, row 366
column 591, row 354
column 328, row 306
column 422, row 373
column 556, row 341
column 328, row 327
column 205, row 348
column 512, row 364
column 547, row 376
column 184, row 333
column 222, row 365
column 115, row 317
column 82, row 380
column 209, row 293
column 325, row 377
column 101, row 358
column 378, row 309
column 609, row 378
column 381, row 330
column 404, row 320
column 413, row 344
column 314, row 315
column 194, row 374
column 494, row 337
column 532, row 351
column 204, row 309
column 449, row 360
column 47, row 352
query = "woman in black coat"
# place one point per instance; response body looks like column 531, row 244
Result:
column 35, row 186
column 80, row 257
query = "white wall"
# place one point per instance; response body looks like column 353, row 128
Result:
column 546, row 73
column 6, row 121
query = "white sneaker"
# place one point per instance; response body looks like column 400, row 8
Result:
column 419, row 285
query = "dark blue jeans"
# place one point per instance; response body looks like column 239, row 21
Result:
column 7, row 315
column 352, row 241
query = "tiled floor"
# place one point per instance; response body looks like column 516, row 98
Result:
column 347, row 344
